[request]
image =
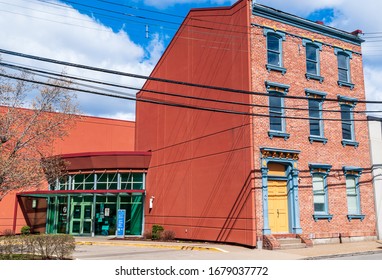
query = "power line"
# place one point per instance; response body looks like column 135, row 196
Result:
column 137, row 76
column 49, row 74
column 121, row 95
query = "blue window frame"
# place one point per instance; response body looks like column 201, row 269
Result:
column 274, row 50
column 343, row 61
column 316, row 123
column 319, row 174
column 347, row 120
column 276, row 112
column 315, row 117
column 352, row 175
column 277, row 123
column 312, row 51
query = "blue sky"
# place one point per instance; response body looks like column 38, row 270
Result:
column 112, row 34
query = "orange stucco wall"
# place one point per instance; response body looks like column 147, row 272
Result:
column 92, row 134
column 200, row 170
column 89, row 134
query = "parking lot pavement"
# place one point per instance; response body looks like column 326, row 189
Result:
column 108, row 248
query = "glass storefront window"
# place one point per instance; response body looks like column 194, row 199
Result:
column 132, row 181
column 89, row 182
column 76, row 213
column 78, row 182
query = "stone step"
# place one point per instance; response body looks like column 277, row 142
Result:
column 289, row 240
column 292, row 246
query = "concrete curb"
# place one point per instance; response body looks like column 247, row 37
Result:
column 343, row 255
column 150, row 245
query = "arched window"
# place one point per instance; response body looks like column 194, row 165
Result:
column 312, row 53
column 343, row 62
column 274, row 50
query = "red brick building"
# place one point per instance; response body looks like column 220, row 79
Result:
column 261, row 137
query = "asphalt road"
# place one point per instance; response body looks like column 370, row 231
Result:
column 106, row 252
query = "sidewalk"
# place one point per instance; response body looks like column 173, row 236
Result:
column 315, row 252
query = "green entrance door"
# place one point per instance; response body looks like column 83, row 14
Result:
column 81, row 222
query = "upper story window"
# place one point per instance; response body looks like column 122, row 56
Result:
column 347, row 120
column 312, row 50
column 275, row 50
column 277, row 123
column 316, row 123
column 276, row 112
column 343, row 61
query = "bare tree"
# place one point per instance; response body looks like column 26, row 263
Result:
column 32, row 116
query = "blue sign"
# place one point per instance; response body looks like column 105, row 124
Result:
column 121, row 218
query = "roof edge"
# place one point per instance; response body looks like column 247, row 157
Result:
column 277, row 15
column 109, row 153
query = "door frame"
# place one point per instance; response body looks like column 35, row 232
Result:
column 289, row 158
column 82, row 218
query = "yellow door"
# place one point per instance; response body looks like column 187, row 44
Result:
column 278, row 206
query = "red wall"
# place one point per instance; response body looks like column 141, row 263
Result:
column 89, row 134
column 205, row 167
column 92, row 134
column 200, row 170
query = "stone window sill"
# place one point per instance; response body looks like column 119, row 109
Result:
column 317, row 217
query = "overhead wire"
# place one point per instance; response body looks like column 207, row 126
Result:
column 121, row 95
column 162, row 80
column 50, row 74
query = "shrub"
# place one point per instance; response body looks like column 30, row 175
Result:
column 51, row 246
column 168, row 235
column 157, row 231
column 8, row 232
column 148, row 234
column 46, row 246
column 25, row 230
column 65, row 247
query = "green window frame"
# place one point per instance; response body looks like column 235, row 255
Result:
column 100, row 181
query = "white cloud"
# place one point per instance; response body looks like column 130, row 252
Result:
column 62, row 33
column 120, row 116
column 300, row 7
column 373, row 88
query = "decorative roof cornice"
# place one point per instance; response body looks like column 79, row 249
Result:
column 273, row 14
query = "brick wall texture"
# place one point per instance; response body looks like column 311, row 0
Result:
column 333, row 152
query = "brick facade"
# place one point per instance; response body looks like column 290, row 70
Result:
column 207, row 169
column 332, row 152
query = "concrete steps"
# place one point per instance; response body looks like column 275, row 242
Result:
column 290, row 243
column 286, row 241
